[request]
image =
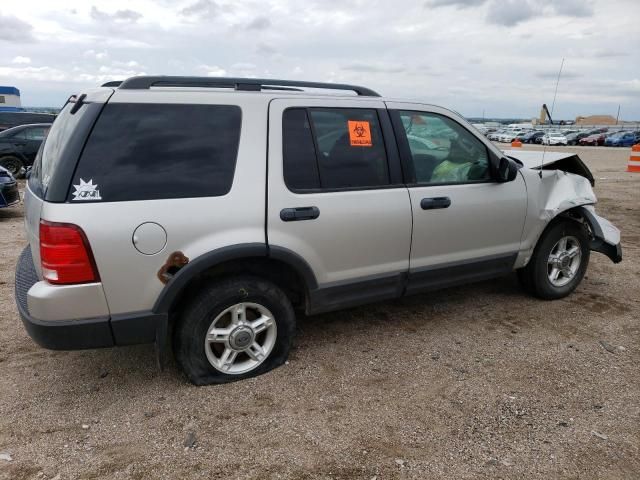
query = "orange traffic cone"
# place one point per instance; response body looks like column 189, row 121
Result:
column 516, row 143
column 634, row 159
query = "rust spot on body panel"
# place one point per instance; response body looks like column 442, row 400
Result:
column 175, row 262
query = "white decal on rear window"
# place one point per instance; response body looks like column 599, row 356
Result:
column 86, row 191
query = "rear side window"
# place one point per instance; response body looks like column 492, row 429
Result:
column 155, row 151
column 325, row 148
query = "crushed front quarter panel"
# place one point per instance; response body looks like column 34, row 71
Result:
column 551, row 192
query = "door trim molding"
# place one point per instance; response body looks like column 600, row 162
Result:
column 449, row 274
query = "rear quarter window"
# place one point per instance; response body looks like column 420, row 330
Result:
column 57, row 152
column 156, row 151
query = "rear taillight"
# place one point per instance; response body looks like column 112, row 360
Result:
column 66, row 255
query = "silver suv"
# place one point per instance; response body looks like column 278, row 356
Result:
column 201, row 213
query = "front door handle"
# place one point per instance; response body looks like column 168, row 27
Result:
column 299, row 213
column 435, row 202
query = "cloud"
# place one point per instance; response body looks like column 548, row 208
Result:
column 362, row 67
column 14, row 30
column 119, row 16
column 510, row 12
column 608, row 52
column 95, row 55
column 454, row 3
column 259, row 23
column 446, row 52
column 551, row 74
column 265, row 49
column 212, row 70
column 571, row 8
column 21, row 60
column 201, row 8
column 243, row 66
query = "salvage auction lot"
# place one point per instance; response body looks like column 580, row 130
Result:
column 480, row 381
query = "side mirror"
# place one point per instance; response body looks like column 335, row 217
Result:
column 507, row 170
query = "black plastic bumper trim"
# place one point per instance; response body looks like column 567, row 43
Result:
column 68, row 334
column 84, row 333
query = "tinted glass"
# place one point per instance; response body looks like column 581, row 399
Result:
column 443, row 151
column 298, row 153
column 21, row 135
column 346, row 144
column 50, row 154
column 153, row 151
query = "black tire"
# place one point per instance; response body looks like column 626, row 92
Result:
column 11, row 163
column 534, row 277
column 190, row 332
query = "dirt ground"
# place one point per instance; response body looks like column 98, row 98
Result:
column 480, row 381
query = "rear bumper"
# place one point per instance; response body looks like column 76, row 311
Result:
column 80, row 333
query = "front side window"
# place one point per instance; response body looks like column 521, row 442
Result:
column 333, row 148
column 443, row 151
column 158, row 151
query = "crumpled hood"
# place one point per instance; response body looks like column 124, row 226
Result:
column 565, row 161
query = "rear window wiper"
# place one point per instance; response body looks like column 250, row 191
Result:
column 78, row 103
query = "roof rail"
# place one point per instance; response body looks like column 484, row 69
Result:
column 114, row 83
column 244, row 84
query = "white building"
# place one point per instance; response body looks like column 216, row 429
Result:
column 9, row 99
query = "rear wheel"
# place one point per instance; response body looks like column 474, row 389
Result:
column 234, row 329
column 13, row 164
column 559, row 261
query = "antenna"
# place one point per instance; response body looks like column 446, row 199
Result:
column 555, row 94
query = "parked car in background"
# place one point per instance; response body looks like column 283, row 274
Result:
column 520, row 136
column 9, row 194
column 19, row 146
column 13, row 119
column 554, row 138
column 593, row 140
column 509, row 135
column 575, row 137
column 493, row 136
column 531, row 137
column 622, row 139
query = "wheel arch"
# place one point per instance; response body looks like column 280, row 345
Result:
column 584, row 214
column 285, row 268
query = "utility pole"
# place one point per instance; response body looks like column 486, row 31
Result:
column 618, row 115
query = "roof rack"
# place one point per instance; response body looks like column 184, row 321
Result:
column 244, row 84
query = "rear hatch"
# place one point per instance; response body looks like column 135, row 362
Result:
column 57, row 159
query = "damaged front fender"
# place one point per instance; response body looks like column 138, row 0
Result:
column 606, row 237
column 560, row 184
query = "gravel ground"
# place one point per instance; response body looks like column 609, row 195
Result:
column 480, row 381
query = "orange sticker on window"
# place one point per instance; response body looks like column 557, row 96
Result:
column 359, row 133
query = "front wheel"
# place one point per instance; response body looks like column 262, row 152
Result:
column 559, row 261
column 234, row 329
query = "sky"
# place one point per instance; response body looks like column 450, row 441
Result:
column 500, row 57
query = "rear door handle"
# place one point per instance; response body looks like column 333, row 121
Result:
column 435, row 202
column 299, row 213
